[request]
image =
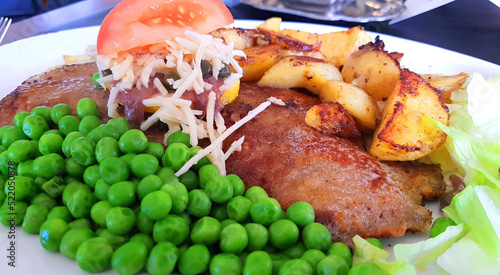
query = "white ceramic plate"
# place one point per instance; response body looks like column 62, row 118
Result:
column 25, row 58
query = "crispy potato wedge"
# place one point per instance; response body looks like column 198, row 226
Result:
column 242, row 38
column 447, row 84
column 272, row 24
column 338, row 46
column 402, row 135
column 332, row 118
column 359, row 103
column 258, row 60
column 300, row 72
column 380, row 69
column 307, row 37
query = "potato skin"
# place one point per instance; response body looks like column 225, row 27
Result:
column 332, row 118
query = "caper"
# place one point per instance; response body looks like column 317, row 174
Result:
column 106, row 72
column 206, row 67
column 225, row 71
column 170, row 75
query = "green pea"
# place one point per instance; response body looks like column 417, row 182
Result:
column 5, row 163
column 146, row 239
column 99, row 211
column 68, row 124
column 4, row 128
column 114, row 170
column 199, row 203
column 156, row 205
column 13, row 214
column 95, row 77
column 162, row 258
column 265, row 211
column 133, row 141
column 278, row 260
column 52, row 232
column 256, row 193
column 21, row 150
column 103, row 130
column 144, row 224
column 116, row 240
column 296, row 250
column 88, row 123
column 143, row 165
column 74, row 168
column 203, row 161
column 120, row 220
column 34, row 126
column 332, row 264
column 238, row 208
column 122, row 193
column 156, row 149
column 258, row 236
column 71, row 189
column 283, row 233
column 173, row 228
column 375, row 242
column 440, row 224
column 206, row 231
column 227, row 222
column 313, row 257
column 11, row 134
column 179, row 137
column 295, row 266
column 48, row 166
column 342, row 250
column 50, row 143
column 207, row 172
column 60, row 212
column 316, row 236
column 94, row 255
column 83, row 150
column 190, row 179
column 101, row 190
column 167, row 175
column 219, row 189
column 105, row 148
column 225, row 263
column 219, row 211
column 194, row 260
column 25, row 168
column 129, row 258
column 147, row 185
column 72, row 240
column 58, row 111
column 258, row 262
column 87, row 107
column 176, row 155
column 120, row 123
column 237, row 183
column 42, row 111
column 366, row 268
column 21, row 186
column 19, row 118
column 44, row 199
column 233, row 238
column 179, row 195
column 81, row 223
column 301, row 213
column 34, row 218
column 128, row 158
column 68, row 140
column 81, row 203
column 91, row 175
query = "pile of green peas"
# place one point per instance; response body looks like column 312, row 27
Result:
column 103, row 195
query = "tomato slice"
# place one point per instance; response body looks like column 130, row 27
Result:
column 135, row 23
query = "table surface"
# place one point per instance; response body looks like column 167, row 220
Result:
column 471, row 27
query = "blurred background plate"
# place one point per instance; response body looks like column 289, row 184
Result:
column 359, row 11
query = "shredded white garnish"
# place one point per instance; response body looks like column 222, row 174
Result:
column 139, row 68
column 276, row 101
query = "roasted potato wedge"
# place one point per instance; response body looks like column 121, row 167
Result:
column 402, row 135
column 447, row 84
column 306, row 37
column 242, row 38
column 380, row 69
column 272, row 24
column 300, row 72
column 332, row 118
column 359, row 103
column 258, row 60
